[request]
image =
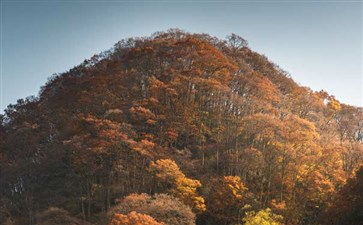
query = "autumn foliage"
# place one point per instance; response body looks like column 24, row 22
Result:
column 133, row 218
column 162, row 207
column 212, row 131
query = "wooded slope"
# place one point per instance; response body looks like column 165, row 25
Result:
column 211, row 131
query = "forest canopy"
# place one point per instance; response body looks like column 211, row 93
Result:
column 180, row 129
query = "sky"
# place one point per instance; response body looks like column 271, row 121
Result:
column 318, row 42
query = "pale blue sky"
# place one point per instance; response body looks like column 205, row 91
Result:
column 318, row 42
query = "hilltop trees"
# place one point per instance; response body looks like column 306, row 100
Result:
column 203, row 126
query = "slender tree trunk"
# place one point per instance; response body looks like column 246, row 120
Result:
column 282, row 181
column 261, row 193
column 203, row 159
column 217, row 159
column 82, row 203
column 89, row 199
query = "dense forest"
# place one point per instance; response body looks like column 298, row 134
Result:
column 180, row 129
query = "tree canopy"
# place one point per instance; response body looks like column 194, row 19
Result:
column 180, row 128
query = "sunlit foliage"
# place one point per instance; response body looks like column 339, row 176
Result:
column 203, row 125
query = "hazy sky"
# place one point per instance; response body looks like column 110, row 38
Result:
column 318, row 42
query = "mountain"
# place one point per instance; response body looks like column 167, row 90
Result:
column 176, row 128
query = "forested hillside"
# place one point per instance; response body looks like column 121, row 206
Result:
column 180, row 129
